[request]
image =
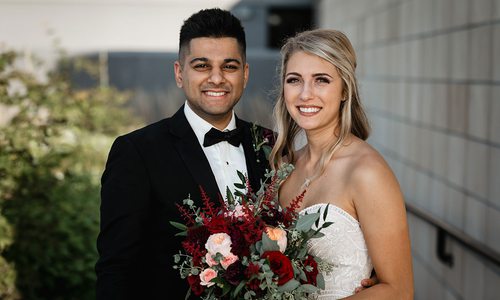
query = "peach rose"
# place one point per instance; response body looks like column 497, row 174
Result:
column 207, row 275
column 278, row 235
column 228, row 260
column 219, row 243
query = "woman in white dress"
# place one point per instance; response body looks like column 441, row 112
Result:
column 319, row 95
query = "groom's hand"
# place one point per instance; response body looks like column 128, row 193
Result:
column 366, row 283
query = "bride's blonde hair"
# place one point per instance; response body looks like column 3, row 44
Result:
column 334, row 47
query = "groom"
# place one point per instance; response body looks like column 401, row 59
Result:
column 152, row 169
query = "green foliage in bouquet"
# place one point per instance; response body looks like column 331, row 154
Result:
column 53, row 145
column 249, row 247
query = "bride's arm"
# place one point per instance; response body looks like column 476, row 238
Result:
column 380, row 209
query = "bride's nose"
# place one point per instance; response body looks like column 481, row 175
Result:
column 306, row 93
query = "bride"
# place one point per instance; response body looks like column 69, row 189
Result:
column 339, row 170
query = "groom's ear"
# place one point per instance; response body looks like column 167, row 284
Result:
column 178, row 73
column 245, row 74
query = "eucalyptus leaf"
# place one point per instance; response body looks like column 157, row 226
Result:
column 309, row 288
column 302, row 253
column 268, row 244
column 302, row 275
column 291, row 285
column 305, row 222
column 320, row 281
column 259, row 248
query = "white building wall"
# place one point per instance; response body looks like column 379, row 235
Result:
column 97, row 25
column 430, row 79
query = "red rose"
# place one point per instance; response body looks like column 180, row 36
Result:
column 280, row 265
column 194, row 283
column 313, row 274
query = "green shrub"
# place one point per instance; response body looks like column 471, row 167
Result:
column 53, row 147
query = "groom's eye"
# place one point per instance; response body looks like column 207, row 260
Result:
column 200, row 66
column 231, row 67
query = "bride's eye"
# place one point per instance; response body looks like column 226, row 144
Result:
column 322, row 80
column 292, row 80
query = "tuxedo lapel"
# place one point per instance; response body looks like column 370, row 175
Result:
column 254, row 167
column 192, row 154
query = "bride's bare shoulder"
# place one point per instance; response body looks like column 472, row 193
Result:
column 368, row 168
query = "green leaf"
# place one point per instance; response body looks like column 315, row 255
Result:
column 238, row 288
column 302, row 275
column 291, row 285
column 309, row 288
column 240, row 185
column 188, row 294
column 320, row 281
column 267, row 151
column 183, row 233
column 229, row 196
column 179, row 225
column 305, row 222
column 326, row 224
column 325, row 213
column 302, row 253
column 226, row 288
column 242, row 177
column 268, row 244
column 259, row 248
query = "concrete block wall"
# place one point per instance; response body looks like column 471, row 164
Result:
column 430, row 79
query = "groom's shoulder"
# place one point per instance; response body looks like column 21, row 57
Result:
column 149, row 132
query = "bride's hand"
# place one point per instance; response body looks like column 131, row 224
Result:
column 367, row 283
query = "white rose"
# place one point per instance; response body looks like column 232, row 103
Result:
column 219, row 243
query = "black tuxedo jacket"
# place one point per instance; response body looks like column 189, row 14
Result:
column 147, row 172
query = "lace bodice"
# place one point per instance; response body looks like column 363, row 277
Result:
column 344, row 247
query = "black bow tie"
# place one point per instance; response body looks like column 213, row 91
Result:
column 214, row 136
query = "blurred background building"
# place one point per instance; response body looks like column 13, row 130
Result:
column 430, row 79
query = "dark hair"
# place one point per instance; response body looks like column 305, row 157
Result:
column 214, row 23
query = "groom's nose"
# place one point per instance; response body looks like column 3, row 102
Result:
column 216, row 76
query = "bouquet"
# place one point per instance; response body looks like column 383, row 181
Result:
column 249, row 247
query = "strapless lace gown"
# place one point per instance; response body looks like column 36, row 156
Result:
column 344, row 247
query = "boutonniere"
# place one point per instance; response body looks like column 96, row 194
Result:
column 262, row 140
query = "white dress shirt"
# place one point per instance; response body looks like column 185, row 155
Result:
column 224, row 158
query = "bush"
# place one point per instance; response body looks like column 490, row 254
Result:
column 53, row 148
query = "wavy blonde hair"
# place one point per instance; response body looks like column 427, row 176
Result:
column 334, row 47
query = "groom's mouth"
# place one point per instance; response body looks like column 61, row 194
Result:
column 212, row 93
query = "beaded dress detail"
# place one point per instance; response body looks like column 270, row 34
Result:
column 344, row 247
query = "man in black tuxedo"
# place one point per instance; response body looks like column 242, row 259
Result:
column 151, row 169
